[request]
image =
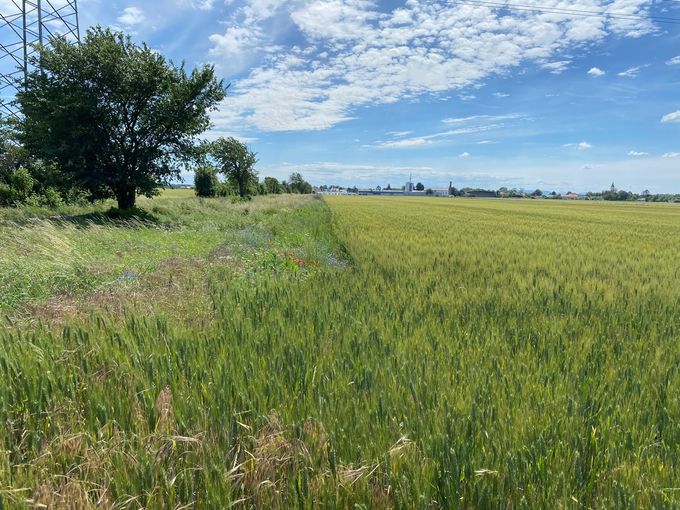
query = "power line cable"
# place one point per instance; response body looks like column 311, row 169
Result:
column 570, row 12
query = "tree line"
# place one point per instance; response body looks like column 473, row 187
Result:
column 232, row 160
column 108, row 118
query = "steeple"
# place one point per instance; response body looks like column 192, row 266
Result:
column 409, row 185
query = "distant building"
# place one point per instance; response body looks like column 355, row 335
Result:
column 613, row 188
column 570, row 196
column 408, row 190
column 481, row 193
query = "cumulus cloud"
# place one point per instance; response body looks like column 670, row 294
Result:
column 244, row 36
column 596, row 71
column 131, row 16
column 674, row 61
column 351, row 54
column 464, row 155
column 638, row 153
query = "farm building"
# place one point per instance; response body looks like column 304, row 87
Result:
column 481, row 193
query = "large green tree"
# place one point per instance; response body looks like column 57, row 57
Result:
column 298, row 184
column 272, row 186
column 118, row 118
column 237, row 163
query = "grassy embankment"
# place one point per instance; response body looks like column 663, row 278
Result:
column 473, row 354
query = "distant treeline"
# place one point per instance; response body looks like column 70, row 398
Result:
column 503, row 192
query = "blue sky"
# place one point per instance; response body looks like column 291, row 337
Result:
column 360, row 92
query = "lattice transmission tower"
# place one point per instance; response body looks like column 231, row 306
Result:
column 23, row 25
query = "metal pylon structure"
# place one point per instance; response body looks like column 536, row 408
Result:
column 23, row 25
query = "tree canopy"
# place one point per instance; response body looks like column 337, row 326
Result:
column 117, row 118
column 237, row 163
column 298, row 184
column 272, row 186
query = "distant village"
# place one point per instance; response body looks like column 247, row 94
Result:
column 410, row 189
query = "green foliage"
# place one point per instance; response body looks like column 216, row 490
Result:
column 227, row 189
column 420, row 187
column 272, row 186
column 206, row 181
column 298, row 185
column 237, row 163
column 22, row 184
column 18, row 188
column 117, row 118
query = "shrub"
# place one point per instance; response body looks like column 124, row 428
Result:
column 226, row 189
column 7, row 195
column 22, row 184
column 206, row 182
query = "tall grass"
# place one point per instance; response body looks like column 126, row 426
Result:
column 431, row 354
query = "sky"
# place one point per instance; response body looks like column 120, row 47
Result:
column 484, row 93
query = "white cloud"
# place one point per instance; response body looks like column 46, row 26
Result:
column 131, row 16
column 234, row 42
column 674, row 61
column 245, row 36
column 582, row 146
column 202, row 5
column 557, row 67
column 464, row 155
column 671, row 117
column 501, row 94
column 375, row 57
column 214, row 134
column 485, row 118
column 439, row 137
column 638, row 153
column 671, row 155
column 596, row 71
column 631, row 72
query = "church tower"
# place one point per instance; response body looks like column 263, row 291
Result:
column 408, row 188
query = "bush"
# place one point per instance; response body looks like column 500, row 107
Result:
column 206, row 182
column 226, row 189
column 17, row 189
column 8, row 196
column 22, row 184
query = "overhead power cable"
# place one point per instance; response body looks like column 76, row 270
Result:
column 569, row 11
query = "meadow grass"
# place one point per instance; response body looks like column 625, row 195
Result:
column 357, row 353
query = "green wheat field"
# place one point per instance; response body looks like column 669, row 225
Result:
column 351, row 353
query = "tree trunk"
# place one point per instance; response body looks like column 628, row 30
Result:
column 126, row 196
column 243, row 189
